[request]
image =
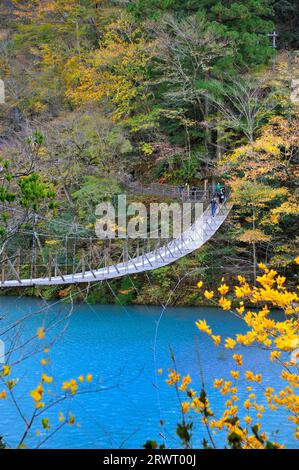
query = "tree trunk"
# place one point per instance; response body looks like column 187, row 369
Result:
column 254, row 262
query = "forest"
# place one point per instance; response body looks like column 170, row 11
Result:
column 175, row 92
column 160, row 101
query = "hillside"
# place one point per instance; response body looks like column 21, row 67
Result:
column 99, row 93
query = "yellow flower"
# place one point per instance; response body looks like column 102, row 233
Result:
column 6, row 370
column 238, row 358
column 185, row 382
column 209, row 294
column 225, row 304
column 240, row 309
column 47, row 379
column 81, row 378
column 242, row 291
column 203, row 327
column 70, row 386
column 223, row 289
column 173, row 377
column 3, row 395
column 241, row 279
column 263, row 267
column 71, row 420
column 230, row 343
column 39, row 405
column 275, row 355
column 61, row 416
column 43, row 362
column 46, row 350
column 197, row 405
column 216, row 339
column 11, row 383
column 234, row 374
column 185, row 406
column 218, row 383
column 41, row 333
column 249, row 375
column 247, row 420
column 37, row 394
column 297, row 260
column 280, row 280
column 199, row 284
column 89, row 378
column 247, row 404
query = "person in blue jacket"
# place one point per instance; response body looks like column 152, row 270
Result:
column 213, row 206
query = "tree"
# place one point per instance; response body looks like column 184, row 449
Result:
column 23, row 193
column 2, row 444
column 263, row 176
column 189, row 52
column 245, row 22
column 287, row 21
column 114, row 74
column 252, row 199
column 276, row 334
column 49, row 34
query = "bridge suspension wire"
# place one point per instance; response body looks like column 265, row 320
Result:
column 152, row 233
column 199, row 195
column 95, row 260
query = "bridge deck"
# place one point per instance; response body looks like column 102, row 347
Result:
column 192, row 239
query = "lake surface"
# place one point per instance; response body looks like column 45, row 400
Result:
column 123, row 348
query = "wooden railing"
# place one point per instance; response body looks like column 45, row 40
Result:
column 182, row 193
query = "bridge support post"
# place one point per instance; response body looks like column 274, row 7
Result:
column 83, row 264
column 2, row 269
column 66, row 254
column 50, row 267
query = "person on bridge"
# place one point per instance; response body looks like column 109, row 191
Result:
column 213, row 206
column 222, row 195
column 193, row 193
column 181, row 191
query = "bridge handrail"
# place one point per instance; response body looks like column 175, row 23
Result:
column 159, row 189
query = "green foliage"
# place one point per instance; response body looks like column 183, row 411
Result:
column 155, row 8
column 184, row 432
column 100, row 295
column 117, row 95
column 189, row 168
column 33, row 191
column 287, row 21
column 153, row 445
column 247, row 23
column 2, row 443
column 92, row 191
column 28, row 192
column 126, row 292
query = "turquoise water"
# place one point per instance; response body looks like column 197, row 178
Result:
column 122, row 348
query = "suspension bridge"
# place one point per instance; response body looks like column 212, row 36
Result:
column 72, row 260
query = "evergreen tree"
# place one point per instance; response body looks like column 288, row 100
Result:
column 247, row 22
column 287, row 21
